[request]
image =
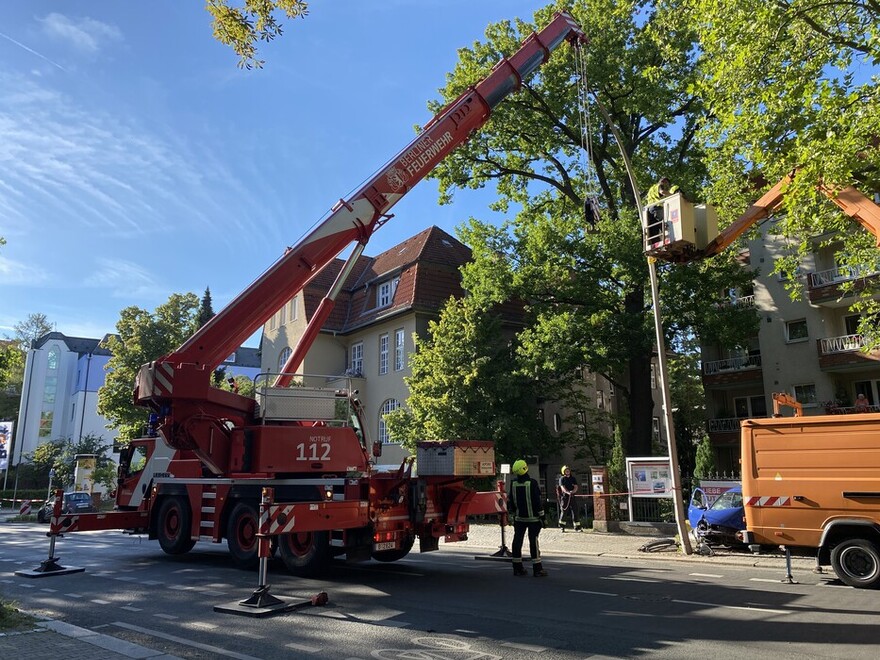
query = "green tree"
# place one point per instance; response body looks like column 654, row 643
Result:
column 12, row 361
column 705, row 460
column 141, row 337
column 60, row 455
column 206, row 308
column 586, row 286
column 464, row 384
column 35, row 326
column 793, row 87
column 242, row 27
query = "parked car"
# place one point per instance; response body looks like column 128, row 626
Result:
column 718, row 523
column 77, row 502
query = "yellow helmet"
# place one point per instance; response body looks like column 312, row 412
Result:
column 564, row 468
column 520, row 467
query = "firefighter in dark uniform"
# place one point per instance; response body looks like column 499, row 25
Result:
column 566, row 488
column 527, row 512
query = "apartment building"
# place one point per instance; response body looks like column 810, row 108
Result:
column 808, row 348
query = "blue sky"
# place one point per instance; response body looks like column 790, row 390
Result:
column 137, row 160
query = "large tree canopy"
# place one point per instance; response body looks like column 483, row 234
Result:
column 586, row 286
column 792, row 86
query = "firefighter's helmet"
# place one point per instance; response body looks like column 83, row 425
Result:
column 564, row 468
column 520, row 467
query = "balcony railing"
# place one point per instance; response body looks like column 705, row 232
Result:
column 725, row 424
column 842, row 344
column 732, row 364
column 744, row 301
column 839, row 274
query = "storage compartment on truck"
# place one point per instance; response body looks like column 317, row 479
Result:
column 456, row 458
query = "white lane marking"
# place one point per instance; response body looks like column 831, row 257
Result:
column 50, row 591
column 170, row 617
column 594, row 593
column 98, row 601
column 186, row 642
column 129, row 608
column 618, row 578
column 711, row 575
column 73, row 595
column 525, row 647
column 764, row 580
column 732, row 607
column 303, row 648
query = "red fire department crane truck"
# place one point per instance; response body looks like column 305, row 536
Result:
column 199, row 472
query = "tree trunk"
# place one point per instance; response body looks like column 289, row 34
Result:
column 641, row 406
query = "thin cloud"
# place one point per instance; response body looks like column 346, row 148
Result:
column 124, row 279
column 32, row 51
column 21, row 274
column 85, row 35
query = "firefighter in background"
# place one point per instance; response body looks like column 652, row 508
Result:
column 527, row 512
column 566, row 487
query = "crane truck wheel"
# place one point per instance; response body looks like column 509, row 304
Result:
column 305, row 554
column 395, row 555
column 173, row 525
column 857, row 563
column 241, row 535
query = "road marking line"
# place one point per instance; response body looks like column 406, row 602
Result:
column 186, row 642
column 525, row 647
column 98, row 601
column 50, row 591
column 129, row 608
column 732, row 607
column 303, row 648
column 629, row 579
column 764, row 580
column 711, row 575
column 73, row 595
column 595, row 593
column 170, row 617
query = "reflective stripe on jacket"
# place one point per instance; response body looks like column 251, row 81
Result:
column 525, row 496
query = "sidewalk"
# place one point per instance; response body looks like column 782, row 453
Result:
column 53, row 640
column 627, row 546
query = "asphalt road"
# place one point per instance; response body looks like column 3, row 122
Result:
column 448, row 605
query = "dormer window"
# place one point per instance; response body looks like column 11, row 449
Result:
column 386, row 291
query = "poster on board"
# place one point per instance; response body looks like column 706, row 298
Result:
column 649, row 477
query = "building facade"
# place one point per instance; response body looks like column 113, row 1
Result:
column 59, row 398
column 808, row 348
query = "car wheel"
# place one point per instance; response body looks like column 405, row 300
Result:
column 173, row 525
column 857, row 563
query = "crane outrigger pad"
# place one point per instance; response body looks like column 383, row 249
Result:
column 262, row 604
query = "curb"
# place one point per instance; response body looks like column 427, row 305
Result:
column 106, row 642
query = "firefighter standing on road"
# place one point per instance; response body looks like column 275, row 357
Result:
column 527, row 512
column 566, row 488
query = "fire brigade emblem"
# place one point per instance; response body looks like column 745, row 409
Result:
column 396, row 179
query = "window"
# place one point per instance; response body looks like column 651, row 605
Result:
column 383, row 353
column 49, row 390
column 387, row 407
column 52, row 359
column 282, row 359
column 273, row 322
column 45, row 424
column 557, row 422
column 356, row 365
column 655, row 427
column 796, row 330
column 600, row 399
column 398, row 349
column 805, row 394
column 294, row 312
column 653, row 376
column 282, row 315
column 386, row 292
column 750, row 406
column 230, row 359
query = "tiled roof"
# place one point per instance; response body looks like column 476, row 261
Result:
column 427, row 267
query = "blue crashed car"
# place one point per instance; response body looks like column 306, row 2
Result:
column 718, row 523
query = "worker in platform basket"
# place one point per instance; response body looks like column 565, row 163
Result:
column 527, row 513
column 566, row 488
column 663, row 188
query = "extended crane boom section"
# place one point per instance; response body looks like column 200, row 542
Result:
column 356, row 218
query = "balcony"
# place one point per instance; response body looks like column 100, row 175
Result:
column 826, row 286
column 845, row 353
column 725, row 430
column 733, row 371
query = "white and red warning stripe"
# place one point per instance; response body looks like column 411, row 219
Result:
column 769, row 501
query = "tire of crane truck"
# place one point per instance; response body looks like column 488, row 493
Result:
column 395, row 555
column 173, row 524
column 305, row 554
column 856, row 562
column 241, row 535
